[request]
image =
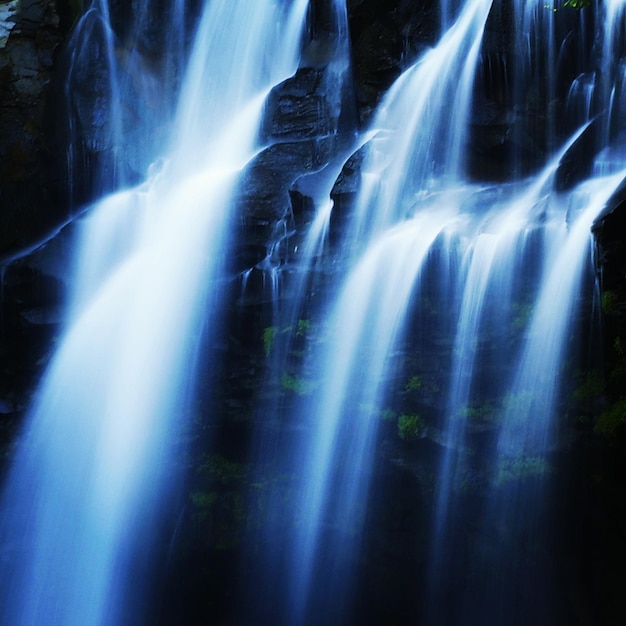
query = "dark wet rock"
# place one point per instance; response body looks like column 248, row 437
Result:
column 264, row 204
column 386, row 38
column 610, row 258
column 349, row 178
column 577, row 163
column 30, row 316
column 300, row 107
column 30, row 34
column 267, row 179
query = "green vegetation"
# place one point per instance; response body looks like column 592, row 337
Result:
column 617, row 375
column 389, row 415
column 301, row 331
column 218, row 500
column 419, row 383
column 269, row 335
column 568, row 4
column 410, row 427
column 414, row 383
column 482, row 413
column 609, row 301
column 591, row 386
column 520, row 468
column 611, row 422
column 303, row 328
column 202, row 499
column 517, row 402
column 577, row 4
column 521, row 315
column 204, row 502
column 221, row 470
column 296, row 384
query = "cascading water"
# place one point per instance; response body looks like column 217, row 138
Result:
column 291, row 289
column 502, row 384
column 421, row 334
column 128, row 108
column 355, row 356
column 82, row 506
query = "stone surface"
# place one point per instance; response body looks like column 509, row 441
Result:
column 7, row 20
column 32, row 34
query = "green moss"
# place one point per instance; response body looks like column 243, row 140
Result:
column 203, row 500
column 611, row 422
column 520, row 468
column 303, row 328
column 609, row 301
column 482, row 413
column 414, row 383
column 591, row 386
column 297, row 385
column 389, row 415
column 410, row 426
column 517, row 402
column 554, row 6
column 269, row 335
column 204, row 503
column 222, row 470
column 577, row 4
column 521, row 315
column 419, row 383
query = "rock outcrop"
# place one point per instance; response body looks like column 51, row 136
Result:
column 31, row 32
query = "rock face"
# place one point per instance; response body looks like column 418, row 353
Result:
column 57, row 113
column 31, row 32
column 386, row 37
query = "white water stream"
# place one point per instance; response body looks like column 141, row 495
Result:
column 84, row 498
column 94, row 469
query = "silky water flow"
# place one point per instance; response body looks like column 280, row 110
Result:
column 511, row 262
column 425, row 255
column 82, row 503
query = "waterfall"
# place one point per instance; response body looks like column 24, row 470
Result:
column 83, row 504
column 417, row 141
column 369, row 314
column 511, row 251
column 313, row 373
